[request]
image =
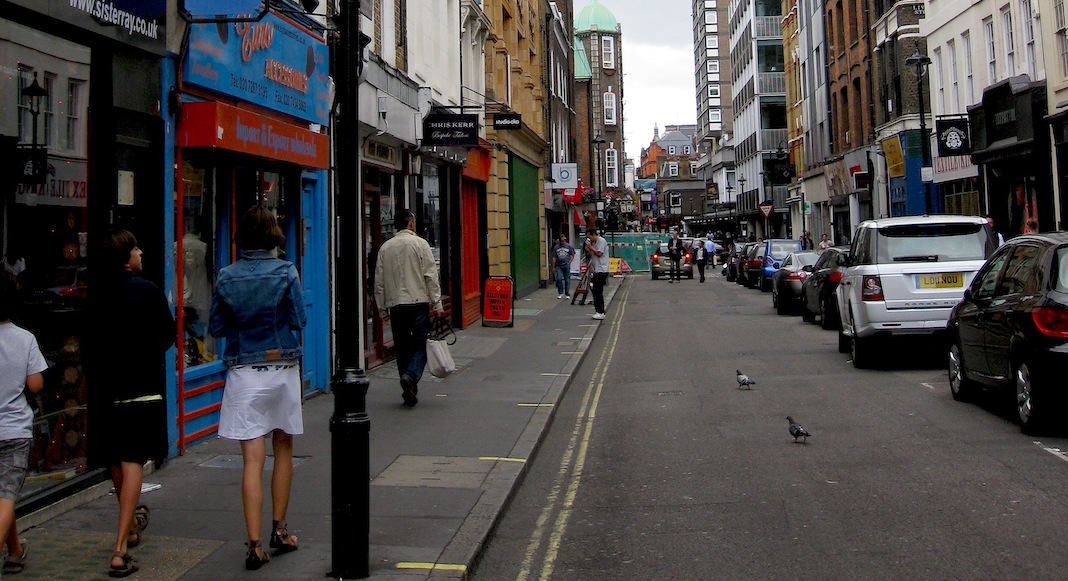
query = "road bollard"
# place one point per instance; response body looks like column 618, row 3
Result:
column 350, row 476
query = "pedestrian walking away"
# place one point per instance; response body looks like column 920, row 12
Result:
column 808, row 245
column 597, row 247
column 128, row 315
column 990, row 222
column 406, row 290
column 21, row 368
column 675, row 251
column 563, row 254
column 258, row 306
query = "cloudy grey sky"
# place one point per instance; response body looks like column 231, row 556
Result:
column 658, row 81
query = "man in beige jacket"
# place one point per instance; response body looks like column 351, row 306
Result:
column 406, row 289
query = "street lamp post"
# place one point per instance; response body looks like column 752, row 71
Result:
column 764, row 185
column 741, row 193
column 730, row 200
column 920, row 62
column 35, row 93
column 598, row 141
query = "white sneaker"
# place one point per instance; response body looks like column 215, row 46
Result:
column 568, row 297
column 559, row 296
column 598, row 316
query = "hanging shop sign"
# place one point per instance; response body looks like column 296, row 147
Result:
column 450, row 129
column 209, row 124
column 565, row 175
column 507, row 121
column 221, row 10
column 953, row 137
column 140, row 23
column 895, row 158
column 271, row 63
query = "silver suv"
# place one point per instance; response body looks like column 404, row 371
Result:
column 904, row 277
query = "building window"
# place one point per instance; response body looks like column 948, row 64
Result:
column 48, row 110
column 611, row 168
column 671, row 150
column 25, row 77
column 675, row 199
column 940, row 80
column 1010, row 44
column 713, row 91
column 608, row 52
column 991, row 54
column 1062, row 34
column 673, row 169
column 712, row 66
column 73, row 129
column 711, row 17
column 1029, row 36
column 955, row 87
column 711, row 41
column 686, row 150
column 610, row 108
column 969, row 78
column 693, row 168
column 715, row 115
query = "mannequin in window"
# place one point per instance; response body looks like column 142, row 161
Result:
column 196, row 293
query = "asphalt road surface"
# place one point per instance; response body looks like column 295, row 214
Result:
column 658, row 467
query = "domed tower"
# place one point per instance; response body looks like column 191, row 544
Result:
column 599, row 102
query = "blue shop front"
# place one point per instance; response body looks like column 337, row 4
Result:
column 253, row 102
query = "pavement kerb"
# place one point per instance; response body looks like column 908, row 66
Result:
column 504, row 478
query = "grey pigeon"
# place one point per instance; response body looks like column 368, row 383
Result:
column 797, row 431
column 744, row 381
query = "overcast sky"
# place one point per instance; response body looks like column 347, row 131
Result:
column 658, row 81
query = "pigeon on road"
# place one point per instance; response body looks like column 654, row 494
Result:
column 797, row 431
column 744, row 381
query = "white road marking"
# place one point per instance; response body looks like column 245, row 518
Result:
column 927, row 385
column 1053, row 450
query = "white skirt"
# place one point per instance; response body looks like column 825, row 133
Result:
column 259, row 398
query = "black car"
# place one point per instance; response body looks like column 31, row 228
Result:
column 736, row 270
column 1011, row 329
column 817, row 292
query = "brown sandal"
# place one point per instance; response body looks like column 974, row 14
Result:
column 283, row 542
column 255, row 557
column 129, row 565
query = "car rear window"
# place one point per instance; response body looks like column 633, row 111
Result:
column 807, row 258
column 780, row 249
column 1062, row 269
column 931, row 243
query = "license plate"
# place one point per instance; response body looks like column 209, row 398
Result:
column 941, row 280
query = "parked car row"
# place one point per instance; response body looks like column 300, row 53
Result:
column 753, row 264
column 1003, row 311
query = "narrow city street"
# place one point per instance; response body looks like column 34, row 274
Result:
column 657, row 466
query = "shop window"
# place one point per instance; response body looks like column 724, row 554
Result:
column 213, row 199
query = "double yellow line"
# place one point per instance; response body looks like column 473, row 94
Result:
column 561, row 498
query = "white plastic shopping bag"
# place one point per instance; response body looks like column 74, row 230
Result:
column 439, row 359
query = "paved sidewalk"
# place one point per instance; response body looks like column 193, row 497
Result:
column 441, row 472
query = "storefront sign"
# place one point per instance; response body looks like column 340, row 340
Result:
column 895, row 159
column 497, row 302
column 507, row 121
column 140, row 23
column 226, row 127
column 272, row 63
column 450, row 129
column 221, row 10
column 953, row 137
column 952, row 168
column 65, row 185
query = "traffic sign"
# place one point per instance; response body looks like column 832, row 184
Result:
column 766, row 208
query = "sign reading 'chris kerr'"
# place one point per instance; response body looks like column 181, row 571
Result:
column 450, row 129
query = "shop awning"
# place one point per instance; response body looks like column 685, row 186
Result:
column 217, row 125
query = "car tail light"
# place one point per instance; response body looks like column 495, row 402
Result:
column 656, row 257
column 1051, row 322
column 835, row 277
column 799, row 275
column 686, row 259
column 871, row 288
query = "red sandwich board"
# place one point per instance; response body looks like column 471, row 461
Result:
column 497, row 302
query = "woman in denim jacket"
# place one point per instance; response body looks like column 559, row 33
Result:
column 257, row 306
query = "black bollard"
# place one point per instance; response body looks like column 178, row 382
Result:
column 350, row 476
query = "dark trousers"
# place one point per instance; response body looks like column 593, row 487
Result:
column 676, row 272
column 411, row 326
column 597, row 285
column 701, row 268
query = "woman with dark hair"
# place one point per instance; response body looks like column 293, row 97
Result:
column 257, row 306
column 129, row 317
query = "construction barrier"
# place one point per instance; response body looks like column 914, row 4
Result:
column 633, row 248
